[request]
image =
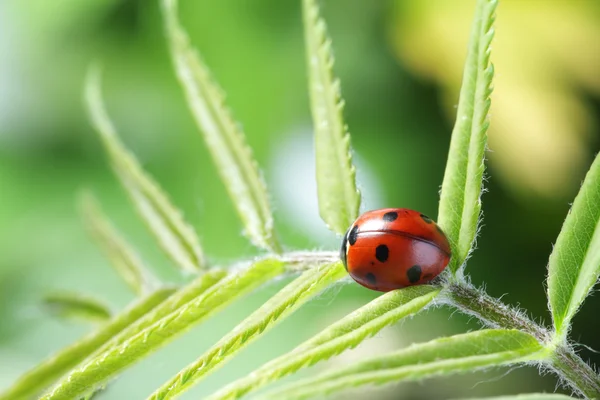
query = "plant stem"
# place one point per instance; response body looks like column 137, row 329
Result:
column 576, row 372
column 491, row 311
column 100, row 368
column 561, row 357
column 563, row 360
column 303, row 260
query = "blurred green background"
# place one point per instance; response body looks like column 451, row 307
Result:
column 400, row 63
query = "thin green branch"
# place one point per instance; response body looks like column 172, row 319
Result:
column 449, row 355
column 574, row 264
column 286, row 301
column 124, row 259
column 98, row 370
column 460, row 197
column 342, row 335
column 183, row 296
column 339, row 199
column 223, row 136
column 174, row 235
column 51, row 369
column 77, row 306
column 562, row 359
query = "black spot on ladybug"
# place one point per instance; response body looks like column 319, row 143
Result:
column 426, row 219
column 382, row 252
column 353, row 235
column 343, row 252
column 390, row 216
column 414, row 274
column 371, row 278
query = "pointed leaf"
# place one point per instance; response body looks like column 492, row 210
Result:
column 185, row 295
column 345, row 334
column 285, row 302
column 121, row 255
column 125, row 326
column 460, row 198
column 99, row 369
column 339, row 200
column 223, row 136
column 54, row 367
column 455, row 354
column 575, row 261
column 77, row 306
column 176, row 237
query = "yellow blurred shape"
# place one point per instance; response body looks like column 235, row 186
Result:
column 545, row 53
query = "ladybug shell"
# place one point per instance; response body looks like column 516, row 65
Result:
column 393, row 248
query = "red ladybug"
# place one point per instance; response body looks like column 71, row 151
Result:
column 393, row 248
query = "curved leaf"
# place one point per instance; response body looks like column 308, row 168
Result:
column 223, row 136
column 121, row 255
column 575, row 261
column 285, row 302
column 345, row 334
column 186, row 294
column 460, row 198
column 77, row 306
column 183, row 296
column 51, row 369
column 100, row 368
column 455, row 354
column 176, row 237
column 339, row 200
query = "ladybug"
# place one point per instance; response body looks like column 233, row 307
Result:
column 393, row 248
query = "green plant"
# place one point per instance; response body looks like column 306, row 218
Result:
column 163, row 313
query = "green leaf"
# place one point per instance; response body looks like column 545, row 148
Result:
column 190, row 292
column 460, row 198
column 122, row 256
column 100, row 368
column 342, row 335
column 285, row 302
column 339, row 200
column 183, row 296
column 175, row 236
column 76, row 306
column 575, row 261
column 54, row 367
column 529, row 396
column 455, row 354
column 223, row 136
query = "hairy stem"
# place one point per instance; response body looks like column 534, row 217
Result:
column 572, row 370
column 492, row 311
column 575, row 372
column 303, row 260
